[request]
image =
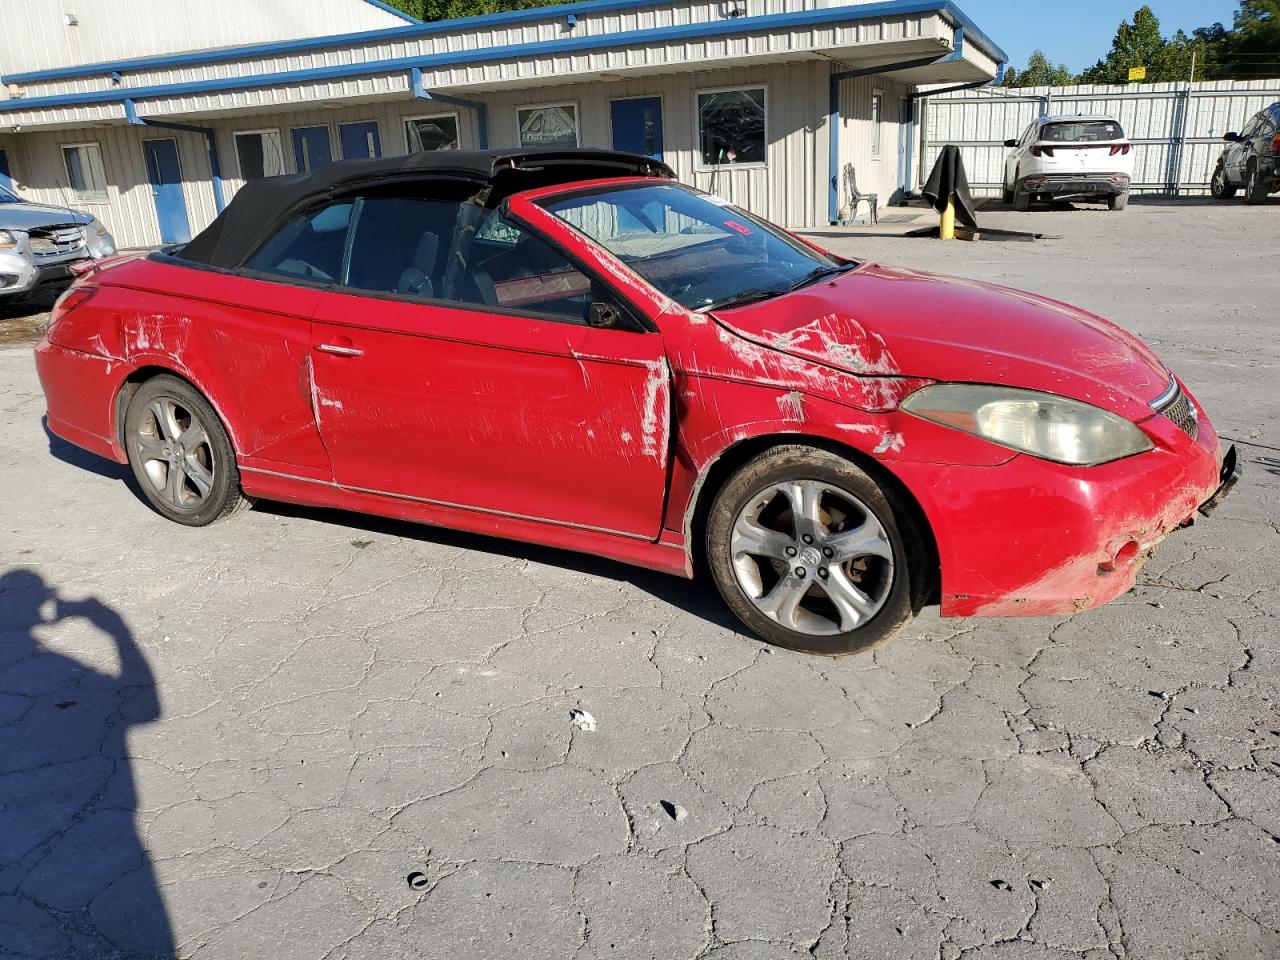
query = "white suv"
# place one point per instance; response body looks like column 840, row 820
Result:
column 1082, row 157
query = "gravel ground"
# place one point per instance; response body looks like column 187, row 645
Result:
column 310, row 734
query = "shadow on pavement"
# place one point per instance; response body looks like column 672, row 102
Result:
column 76, row 877
column 697, row 597
column 82, row 459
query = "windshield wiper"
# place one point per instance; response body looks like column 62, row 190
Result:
column 743, row 298
column 760, row 293
column 821, row 273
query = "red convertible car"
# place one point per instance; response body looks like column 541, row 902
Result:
column 572, row 348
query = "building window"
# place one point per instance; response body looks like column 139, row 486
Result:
column 85, row 176
column 432, row 133
column 877, row 118
column 552, row 125
column 259, row 154
column 731, row 127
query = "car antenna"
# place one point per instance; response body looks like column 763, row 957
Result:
column 62, row 195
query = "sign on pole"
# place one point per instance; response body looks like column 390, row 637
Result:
column 1137, row 73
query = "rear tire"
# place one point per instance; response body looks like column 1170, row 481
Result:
column 1255, row 191
column 181, row 455
column 1007, row 196
column 807, row 550
column 1220, row 186
column 1117, row 201
column 1021, row 200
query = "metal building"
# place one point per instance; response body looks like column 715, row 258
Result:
column 761, row 101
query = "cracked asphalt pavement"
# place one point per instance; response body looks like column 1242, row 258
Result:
column 243, row 741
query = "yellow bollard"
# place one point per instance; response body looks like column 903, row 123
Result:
column 947, row 228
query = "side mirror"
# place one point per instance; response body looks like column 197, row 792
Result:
column 604, row 314
column 1011, row 143
column 1231, row 137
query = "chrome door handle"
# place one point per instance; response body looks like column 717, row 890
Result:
column 339, row 351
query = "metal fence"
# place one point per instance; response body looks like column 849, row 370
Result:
column 1176, row 128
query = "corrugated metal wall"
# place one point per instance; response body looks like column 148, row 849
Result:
column 445, row 38
column 37, row 36
column 1177, row 136
column 875, row 173
column 791, row 188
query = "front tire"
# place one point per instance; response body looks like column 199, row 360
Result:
column 806, row 549
column 1220, row 186
column 181, row 455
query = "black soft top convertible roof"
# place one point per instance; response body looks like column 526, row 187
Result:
column 261, row 205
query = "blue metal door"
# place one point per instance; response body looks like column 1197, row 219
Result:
column 360, row 140
column 165, row 174
column 311, row 149
column 6, row 179
column 637, row 125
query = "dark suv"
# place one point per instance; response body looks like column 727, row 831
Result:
column 1252, row 159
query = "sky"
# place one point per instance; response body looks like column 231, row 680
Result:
column 1079, row 32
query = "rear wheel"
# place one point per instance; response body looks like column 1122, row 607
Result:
column 1021, row 199
column 181, row 455
column 1255, row 190
column 1117, row 201
column 1220, row 186
column 805, row 548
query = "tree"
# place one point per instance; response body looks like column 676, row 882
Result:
column 1251, row 49
column 1039, row 72
column 1136, row 44
column 451, row 9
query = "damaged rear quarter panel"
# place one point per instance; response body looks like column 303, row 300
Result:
column 245, row 344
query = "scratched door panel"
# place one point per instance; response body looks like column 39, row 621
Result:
column 503, row 413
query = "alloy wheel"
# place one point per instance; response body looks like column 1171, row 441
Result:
column 812, row 557
column 175, row 453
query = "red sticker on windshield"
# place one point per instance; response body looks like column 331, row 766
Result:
column 739, row 228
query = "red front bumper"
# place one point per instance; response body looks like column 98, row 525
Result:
column 79, row 390
column 1033, row 538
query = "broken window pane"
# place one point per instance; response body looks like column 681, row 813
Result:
column 731, row 127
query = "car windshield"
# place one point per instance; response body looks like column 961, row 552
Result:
column 699, row 250
column 1081, row 131
column 8, row 196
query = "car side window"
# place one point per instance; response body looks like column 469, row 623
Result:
column 400, row 244
column 510, row 268
column 308, row 247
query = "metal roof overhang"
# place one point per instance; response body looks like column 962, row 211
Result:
column 835, row 34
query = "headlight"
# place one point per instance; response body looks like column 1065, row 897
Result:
column 100, row 242
column 7, row 240
column 1041, row 424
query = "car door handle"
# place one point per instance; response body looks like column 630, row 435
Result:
column 338, row 350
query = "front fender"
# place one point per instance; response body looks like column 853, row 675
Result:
column 716, row 417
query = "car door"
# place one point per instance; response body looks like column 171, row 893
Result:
column 1014, row 158
column 1237, row 156
column 457, row 367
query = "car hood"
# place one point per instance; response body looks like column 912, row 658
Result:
column 27, row 216
column 883, row 321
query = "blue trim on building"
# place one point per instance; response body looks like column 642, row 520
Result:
column 393, row 11
column 568, row 45
column 833, row 110
column 249, row 51
column 482, row 112
column 407, row 32
column 215, row 163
